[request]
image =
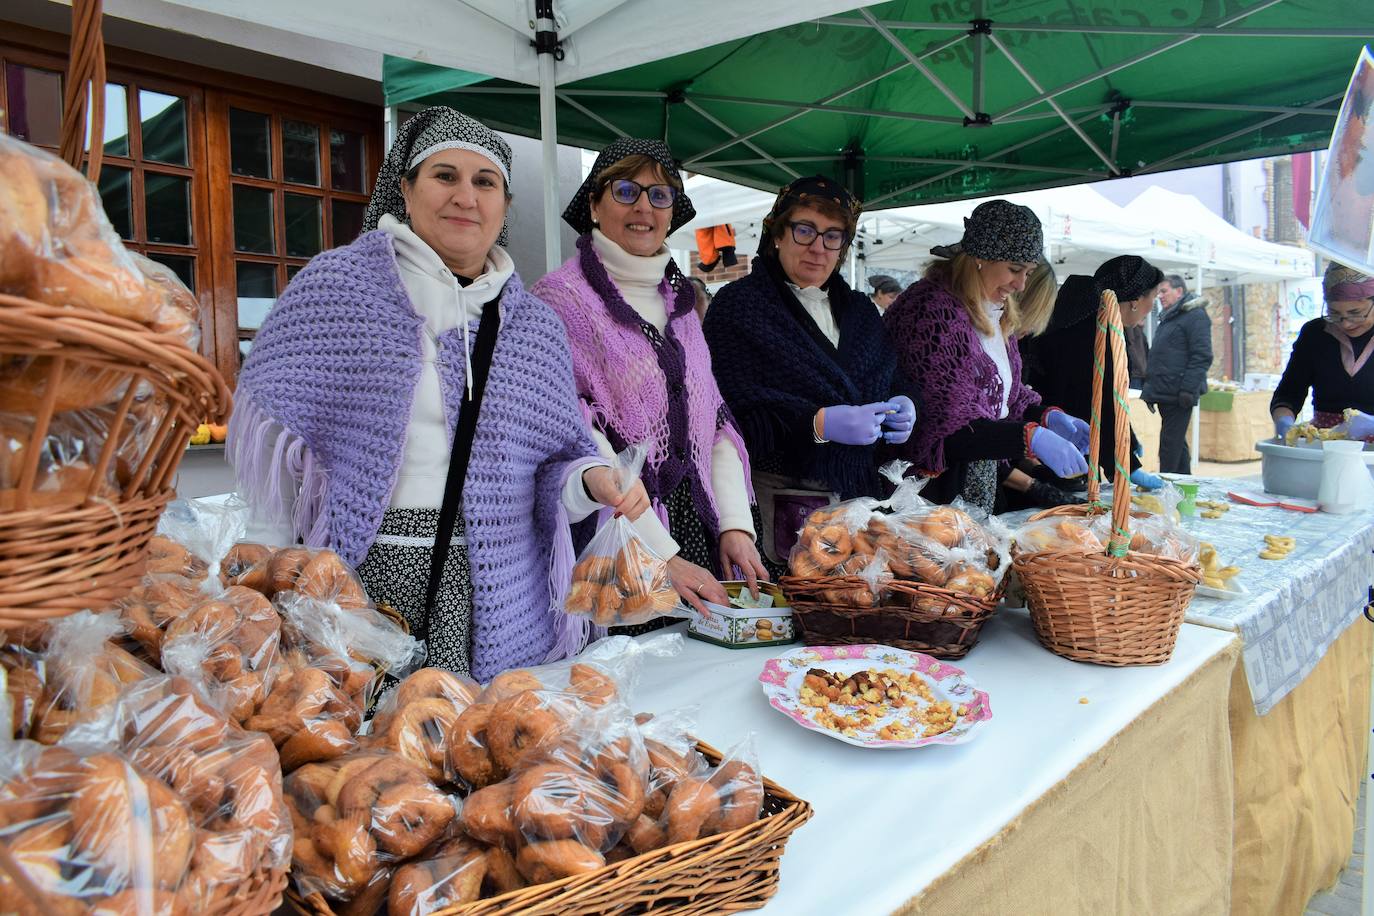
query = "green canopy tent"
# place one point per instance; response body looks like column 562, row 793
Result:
column 914, row 102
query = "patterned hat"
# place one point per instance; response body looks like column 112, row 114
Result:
column 579, row 211
column 804, row 192
column 1129, row 276
column 431, row 131
column 1345, row 284
column 999, row 230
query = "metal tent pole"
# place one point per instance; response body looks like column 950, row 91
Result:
column 546, row 46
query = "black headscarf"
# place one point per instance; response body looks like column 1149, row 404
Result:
column 579, row 211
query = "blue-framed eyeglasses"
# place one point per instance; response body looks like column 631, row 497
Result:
column 625, row 191
column 805, row 233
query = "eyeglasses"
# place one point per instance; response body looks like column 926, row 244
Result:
column 805, row 233
column 625, row 191
column 1349, row 319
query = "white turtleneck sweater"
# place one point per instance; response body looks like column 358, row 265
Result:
column 638, row 278
column 444, row 304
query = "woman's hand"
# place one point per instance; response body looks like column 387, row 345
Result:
column 899, row 424
column 695, row 585
column 604, row 486
column 737, row 551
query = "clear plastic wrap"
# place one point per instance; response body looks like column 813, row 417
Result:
column 231, row 642
column 83, row 670
column 728, row 798
column 618, row 579
column 415, row 720
column 452, row 874
column 319, row 574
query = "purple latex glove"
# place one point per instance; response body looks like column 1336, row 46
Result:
column 850, row 425
column 1282, row 425
column 897, row 426
column 1057, row 453
column 1076, row 431
column 1360, row 426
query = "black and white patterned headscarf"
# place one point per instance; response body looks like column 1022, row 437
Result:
column 579, row 211
column 999, row 230
column 431, row 131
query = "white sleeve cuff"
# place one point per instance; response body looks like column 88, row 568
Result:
column 576, row 501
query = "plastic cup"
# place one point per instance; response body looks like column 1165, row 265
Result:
column 1187, row 506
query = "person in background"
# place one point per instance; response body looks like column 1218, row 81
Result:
column 805, row 367
column 643, row 369
column 1177, row 373
column 885, row 291
column 1060, row 362
column 1331, row 358
column 1137, row 351
column 345, row 415
column 955, row 332
column 703, row 297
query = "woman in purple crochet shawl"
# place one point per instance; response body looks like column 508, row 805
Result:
column 955, row 332
column 347, row 407
column 643, row 370
column 803, row 363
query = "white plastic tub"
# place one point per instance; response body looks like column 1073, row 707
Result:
column 1295, row 470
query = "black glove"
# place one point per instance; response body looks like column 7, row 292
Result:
column 1048, row 496
column 1069, row 485
column 1186, row 399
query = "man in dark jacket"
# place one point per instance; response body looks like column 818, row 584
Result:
column 1177, row 373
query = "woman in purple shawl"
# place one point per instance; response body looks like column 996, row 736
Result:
column 350, row 398
column 955, row 333
column 643, row 370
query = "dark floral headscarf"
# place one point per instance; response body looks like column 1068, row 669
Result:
column 806, row 192
column 999, row 230
column 579, row 211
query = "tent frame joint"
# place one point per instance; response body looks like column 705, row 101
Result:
column 546, row 41
column 979, row 119
column 980, row 27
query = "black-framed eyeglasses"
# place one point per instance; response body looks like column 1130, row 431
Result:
column 661, row 196
column 805, row 233
column 1349, row 319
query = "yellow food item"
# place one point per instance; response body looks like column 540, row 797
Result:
column 201, row 436
column 1213, row 582
column 1273, row 554
column 1228, row 572
column 1214, row 575
column 1148, row 503
column 1280, row 539
column 1212, row 514
column 1311, row 433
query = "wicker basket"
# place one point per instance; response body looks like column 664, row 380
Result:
column 719, row 874
column 259, row 895
column 914, row 616
column 1119, row 607
column 84, row 547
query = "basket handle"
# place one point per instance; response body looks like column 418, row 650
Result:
column 1109, row 332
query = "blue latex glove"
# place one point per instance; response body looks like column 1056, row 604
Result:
column 1076, row 431
column 1360, row 426
column 1057, row 453
column 1282, row 425
column 1138, row 450
column 1144, row 479
column 850, row 425
column 898, row 425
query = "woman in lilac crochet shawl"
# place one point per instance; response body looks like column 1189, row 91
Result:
column 803, row 363
column 643, row 370
column 348, row 402
column 954, row 331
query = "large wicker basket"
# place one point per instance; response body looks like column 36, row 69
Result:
column 913, row 615
column 84, row 547
column 719, row 874
column 1119, row 607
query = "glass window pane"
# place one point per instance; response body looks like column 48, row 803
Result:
column 348, row 221
column 257, row 290
column 250, row 143
column 163, row 124
column 292, row 270
column 253, row 220
column 34, row 102
column 304, row 232
column 183, row 267
column 346, row 165
column 116, row 196
column 116, row 120
column 168, row 198
column 300, row 153
column 244, row 347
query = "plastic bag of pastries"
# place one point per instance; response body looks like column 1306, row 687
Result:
column 450, row 873
column 25, row 677
column 727, row 797
column 1059, row 533
column 357, row 815
column 835, row 540
column 618, row 579
column 230, row 643
column 63, row 466
column 415, row 720
column 320, row 574
column 673, row 757
column 83, row 670
column 1154, row 534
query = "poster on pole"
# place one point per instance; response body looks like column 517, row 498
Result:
column 1343, row 223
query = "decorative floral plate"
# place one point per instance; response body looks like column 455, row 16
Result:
column 782, row 681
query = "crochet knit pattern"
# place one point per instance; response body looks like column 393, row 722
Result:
column 332, row 375
column 638, row 385
column 776, row 369
column 937, row 344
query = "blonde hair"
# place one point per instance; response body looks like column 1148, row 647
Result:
column 959, row 275
column 1035, row 305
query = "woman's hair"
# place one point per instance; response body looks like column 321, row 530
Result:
column 959, row 275
column 823, row 206
column 882, row 283
column 629, row 167
column 1035, row 305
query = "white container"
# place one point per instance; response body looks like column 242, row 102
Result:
column 1292, row 470
column 1346, row 485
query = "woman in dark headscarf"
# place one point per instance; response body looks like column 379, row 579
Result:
column 804, row 366
column 1059, row 361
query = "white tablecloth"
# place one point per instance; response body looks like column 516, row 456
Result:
column 902, row 809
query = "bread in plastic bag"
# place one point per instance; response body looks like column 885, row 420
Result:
column 450, row 875
column 320, row 574
column 415, row 721
column 231, row 643
column 618, row 579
